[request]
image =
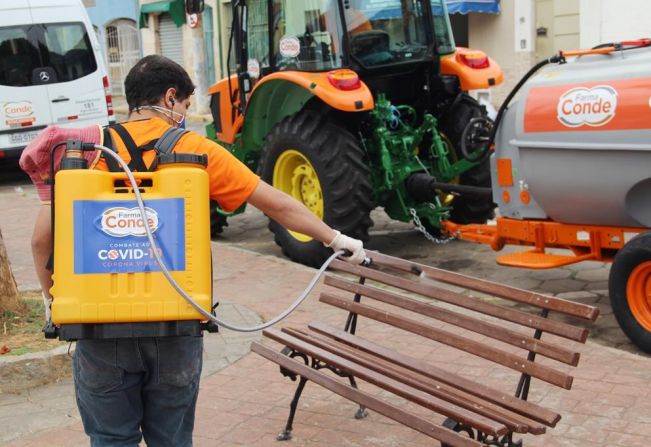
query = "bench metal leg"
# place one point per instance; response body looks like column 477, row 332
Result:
column 488, row 440
column 287, row 433
column 361, row 412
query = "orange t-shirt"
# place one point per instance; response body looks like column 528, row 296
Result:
column 231, row 181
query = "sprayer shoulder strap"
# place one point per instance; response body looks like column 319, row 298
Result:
column 135, row 153
column 111, row 163
column 163, row 145
column 168, row 140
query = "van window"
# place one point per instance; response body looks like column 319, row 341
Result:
column 44, row 54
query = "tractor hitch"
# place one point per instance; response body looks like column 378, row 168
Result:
column 425, row 188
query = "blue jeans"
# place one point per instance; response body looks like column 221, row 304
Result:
column 127, row 388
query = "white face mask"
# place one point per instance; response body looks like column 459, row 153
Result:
column 171, row 114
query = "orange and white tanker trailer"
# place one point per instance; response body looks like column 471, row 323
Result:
column 570, row 156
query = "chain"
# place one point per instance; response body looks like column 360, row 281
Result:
column 420, row 227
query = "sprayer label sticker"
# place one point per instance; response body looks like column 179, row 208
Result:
column 591, row 106
column 110, row 236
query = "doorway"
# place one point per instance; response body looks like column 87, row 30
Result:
column 122, row 52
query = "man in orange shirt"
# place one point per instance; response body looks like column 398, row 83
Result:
column 127, row 388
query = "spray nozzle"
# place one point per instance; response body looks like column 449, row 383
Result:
column 365, row 263
column 78, row 145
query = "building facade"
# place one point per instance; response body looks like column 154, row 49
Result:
column 527, row 31
column 192, row 41
column 115, row 23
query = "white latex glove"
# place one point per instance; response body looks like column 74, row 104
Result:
column 47, row 302
column 355, row 246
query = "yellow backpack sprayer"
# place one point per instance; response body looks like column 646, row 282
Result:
column 126, row 268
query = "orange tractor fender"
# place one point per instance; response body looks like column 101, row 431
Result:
column 281, row 94
column 474, row 69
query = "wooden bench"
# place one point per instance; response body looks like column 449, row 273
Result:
column 503, row 326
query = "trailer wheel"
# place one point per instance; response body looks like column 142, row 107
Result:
column 320, row 164
column 630, row 290
column 452, row 123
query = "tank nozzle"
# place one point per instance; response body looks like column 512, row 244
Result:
column 74, row 156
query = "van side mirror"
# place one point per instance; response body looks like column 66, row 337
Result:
column 194, row 6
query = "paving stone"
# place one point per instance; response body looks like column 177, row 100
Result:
column 600, row 274
column 597, row 287
column 562, row 285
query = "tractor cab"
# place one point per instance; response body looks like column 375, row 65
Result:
column 360, row 34
column 375, row 38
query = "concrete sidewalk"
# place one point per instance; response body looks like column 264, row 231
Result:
column 245, row 401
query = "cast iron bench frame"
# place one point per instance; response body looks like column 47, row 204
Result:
column 486, row 416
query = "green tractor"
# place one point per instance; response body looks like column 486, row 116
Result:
column 348, row 105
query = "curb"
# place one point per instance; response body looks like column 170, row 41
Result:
column 35, row 369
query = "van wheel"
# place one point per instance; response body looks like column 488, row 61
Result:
column 320, row 164
column 629, row 286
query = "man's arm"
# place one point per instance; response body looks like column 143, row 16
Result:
column 290, row 213
column 294, row 216
column 42, row 248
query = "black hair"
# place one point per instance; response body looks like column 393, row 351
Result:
column 150, row 78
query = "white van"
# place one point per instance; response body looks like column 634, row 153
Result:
column 51, row 71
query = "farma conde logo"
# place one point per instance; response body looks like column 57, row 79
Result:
column 122, row 222
column 593, row 107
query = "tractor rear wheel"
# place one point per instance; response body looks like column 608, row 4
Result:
column 321, row 164
column 467, row 209
column 629, row 287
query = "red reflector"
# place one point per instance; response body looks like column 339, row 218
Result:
column 72, row 117
column 344, row 79
column 474, row 59
column 2, row 154
column 107, row 92
column 27, row 124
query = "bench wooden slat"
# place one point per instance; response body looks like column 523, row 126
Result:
column 510, row 293
column 488, row 329
column 513, row 421
column 479, row 349
column 525, row 408
column 535, row 322
column 400, row 389
column 413, row 421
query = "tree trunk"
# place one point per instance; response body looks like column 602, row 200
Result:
column 9, row 300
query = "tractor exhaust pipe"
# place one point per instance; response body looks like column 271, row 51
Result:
column 424, row 188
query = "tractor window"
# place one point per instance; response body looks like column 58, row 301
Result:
column 386, row 31
column 307, row 35
column 258, row 37
column 442, row 28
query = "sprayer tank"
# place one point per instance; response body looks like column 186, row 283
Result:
column 575, row 144
column 104, row 269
